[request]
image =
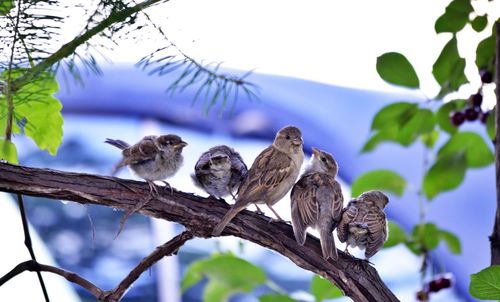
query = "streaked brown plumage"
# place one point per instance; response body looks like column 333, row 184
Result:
column 152, row 158
column 219, row 171
column 363, row 222
column 317, row 201
column 271, row 176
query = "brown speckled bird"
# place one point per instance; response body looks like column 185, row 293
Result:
column 219, row 171
column 363, row 222
column 152, row 158
column 271, row 176
column 317, row 202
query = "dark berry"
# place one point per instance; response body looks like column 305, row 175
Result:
column 422, row 295
column 483, row 116
column 457, row 118
column 445, row 282
column 486, row 76
column 434, row 286
column 476, row 99
column 471, row 114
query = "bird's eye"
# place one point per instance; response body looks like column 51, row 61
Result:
column 169, row 142
column 323, row 159
column 288, row 137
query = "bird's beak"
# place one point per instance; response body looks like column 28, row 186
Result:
column 297, row 141
column 315, row 151
column 180, row 145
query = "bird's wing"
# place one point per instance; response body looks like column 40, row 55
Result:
column 202, row 166
column 348, row 215
column 305, row 209
column 268, row 171
column 238, row 167
column 377, row 229
column 143, row 151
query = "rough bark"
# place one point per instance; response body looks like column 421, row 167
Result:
column 355, row 278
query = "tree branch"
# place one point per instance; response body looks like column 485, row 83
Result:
column 359, row 281
column 70, row 47
column 167, row 249
column 495, row 236
column 33, row 266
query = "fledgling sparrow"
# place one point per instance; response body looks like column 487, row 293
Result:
column 271, row 176
column 219, row 171
column 363, row 222
column 317, row 202
column 152, row 158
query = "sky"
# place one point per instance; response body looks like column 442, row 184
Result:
column 334, row 42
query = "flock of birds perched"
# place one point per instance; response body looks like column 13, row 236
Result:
column 316, row 198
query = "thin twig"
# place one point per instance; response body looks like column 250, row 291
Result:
column 29, row 245
column 495, row 236
column 33, row 266
column 167, row 249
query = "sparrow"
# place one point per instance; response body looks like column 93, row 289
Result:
column 317, row 202
column 363, row 223
column 219, row 171
column 152, row 158
column 271, row 175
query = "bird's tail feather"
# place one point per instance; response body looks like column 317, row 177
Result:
column 117, row 143
column 235, row 209
column 328, row 243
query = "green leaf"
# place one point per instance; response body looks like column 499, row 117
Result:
column 452, row 241
column 455, row 17
column 448, row 70
column 490, row 124
column 477, row 153
column 396, row 235
column 216, row 292
column 275, row 298
column 6, row 6
column 427, row 234
column 394, row 68
column 443, row 114
column 447, row 173
column 385, row 180
column 395, row 114
column 429, row 139
column 8, row 151
column 226, row 275
column 485, row 285
column 479, row 23
column 35, row 104
column 400, row 122
column 323, row 289
column 422, row 122
column 485, row 53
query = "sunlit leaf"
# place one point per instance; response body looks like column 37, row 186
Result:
column 8, row 151
column 455, row 17
column 477, row 153
column 451, row 241
column 449, row 69
column 394, row 68
column 443, row 114
column 445, row 174
column 39, row 110
column 479, row 23
column 396, row 235
column 388, row 134
column 485, row 285
column 275, row 298
column 323, row 289
column 226, row 275
column 384, row 180
column 6, row 6
column 427, row 234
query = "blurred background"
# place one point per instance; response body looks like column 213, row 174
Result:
column 314, row 66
